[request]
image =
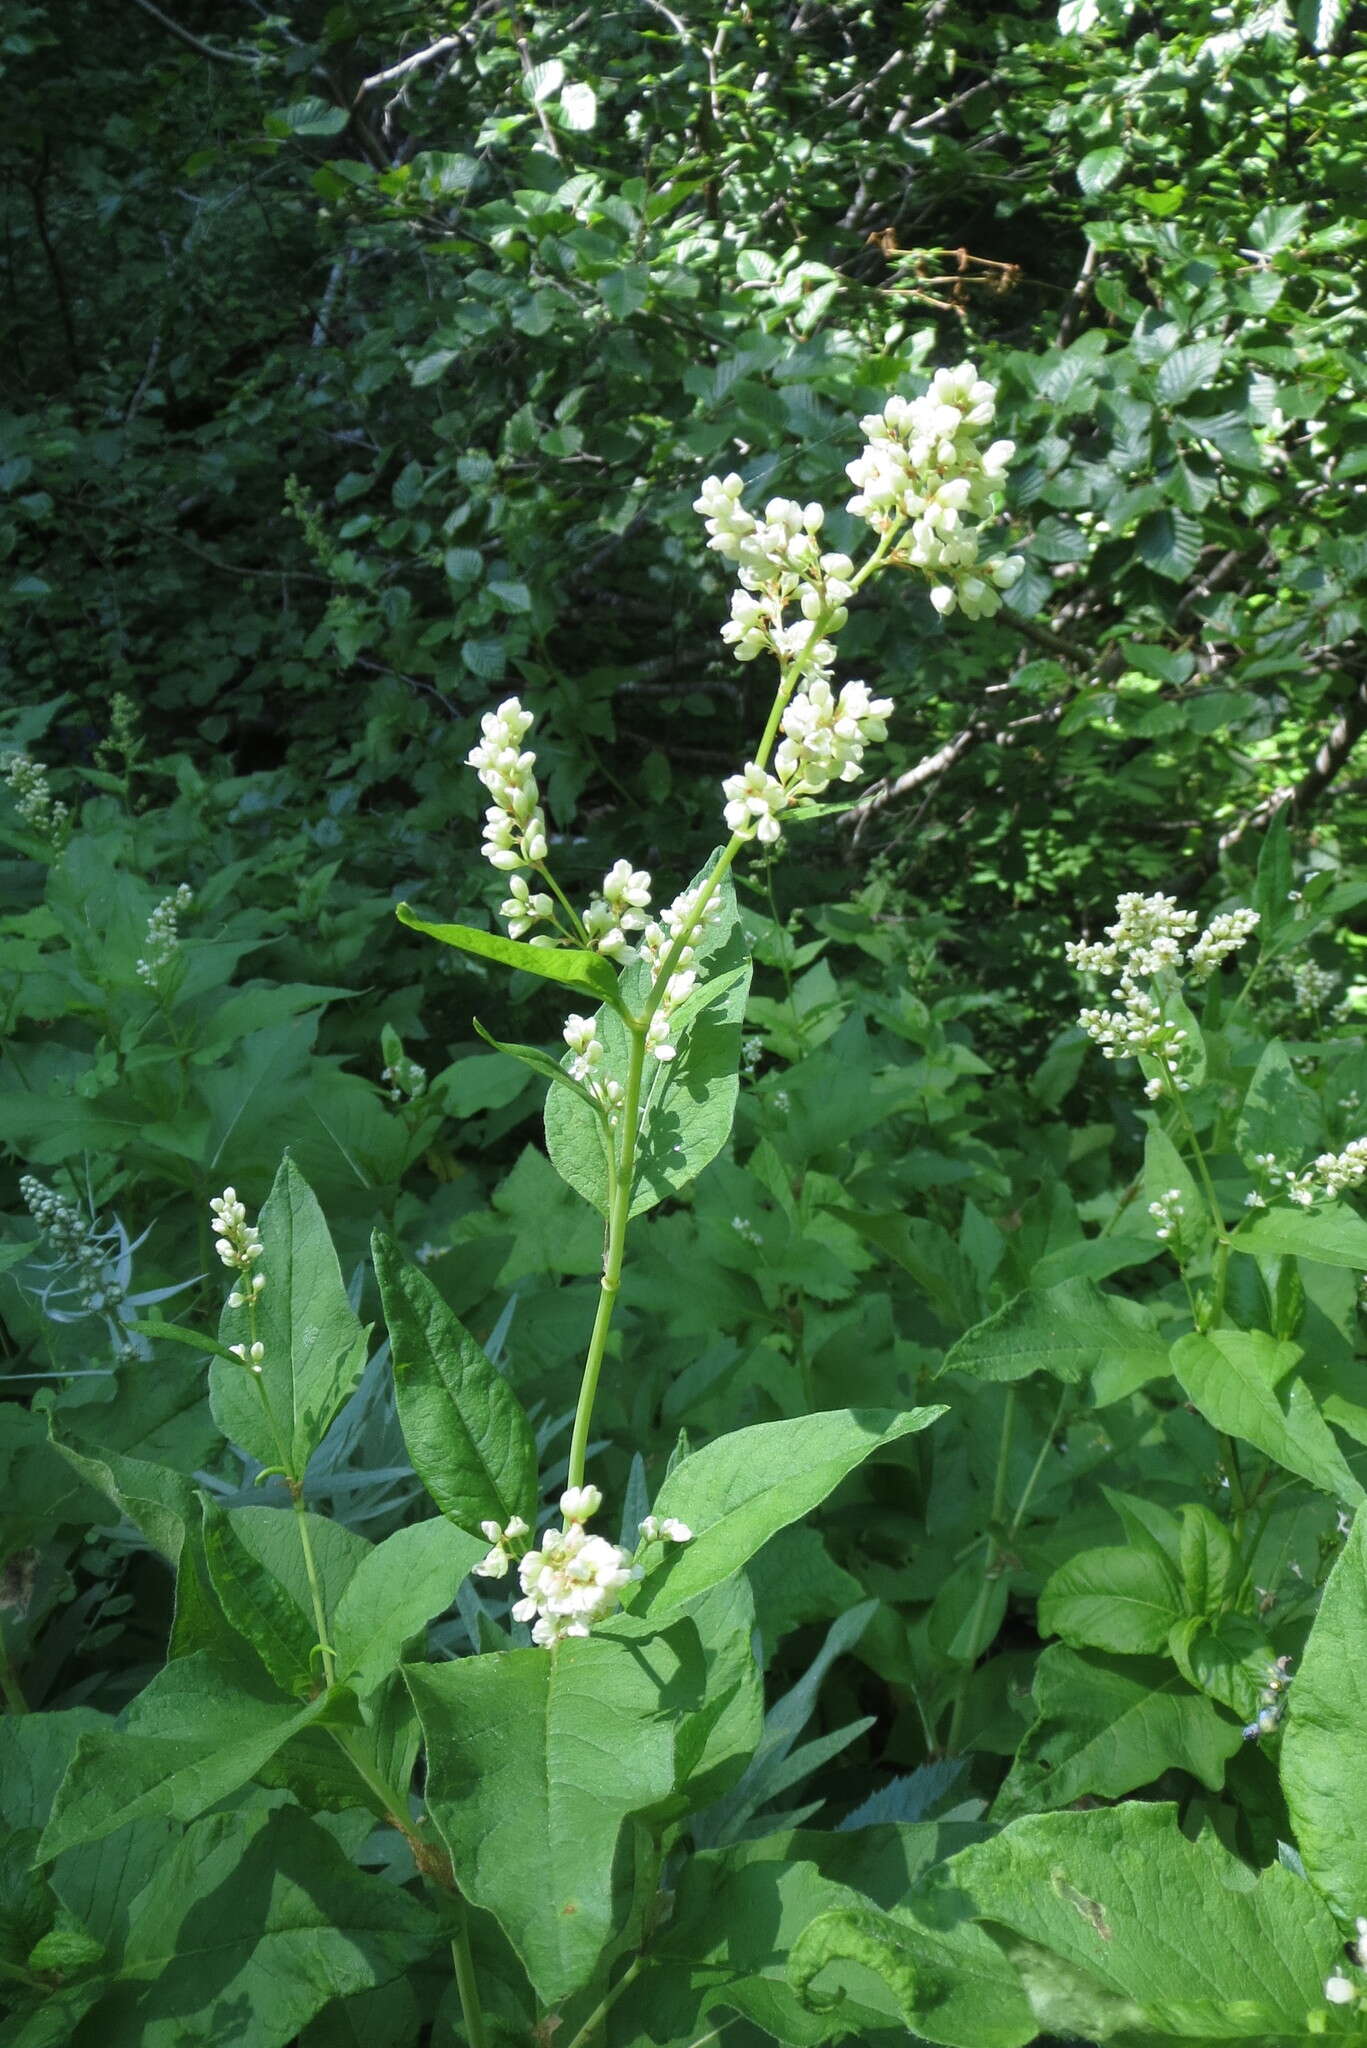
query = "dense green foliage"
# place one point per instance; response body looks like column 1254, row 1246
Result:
column 366, row 362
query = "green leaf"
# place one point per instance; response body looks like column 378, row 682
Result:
column 1169, row 541
column 1322, row 1773
column 1242, row 1382
column 1272, row 885
column 309, row 116
column 734, row 1494
column 249, row 1927
column 625, row 291
column 540, row 1063
column 1210, row 1564
column 1201, row 1946
column 1165, row 1170
column 470, row 1442
column 1106, row 1726
column 158, row 1501
column 588, row 974
column 396, row 1589
column 1333, row 1234
column 1228, row 1658
column 1280, row 1114
column 257, row 1567
column 176, row 1333
column 949, row 1983
column 535, row 1764
column 191, row 1738
column 1100, row 169
column 1187, row 370
column 1070, row 1330
column 1115, row 1598
column 314, row 1345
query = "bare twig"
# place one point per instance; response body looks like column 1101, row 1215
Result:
column 185, row 36
column 407, row 64
column 1333, row 755
column 1081, row 292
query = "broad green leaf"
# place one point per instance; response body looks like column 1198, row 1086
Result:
column 1322, row 1748
column 309, row 116
column 689, row 1102
column 587, row 974
column 1280, row 1114
column 1272, row 895
column 1204, row 1948
column 1071, row 1329
column 1191, row 368
column 535, row 1764
column 1169, row 541
column 395, row 1591
column 35, row 1754
column 470, row 1442
column 1109, row 1725
column 1229, row 1658
column 1333, row 1234
column 1115, row 1598
column 1100, row 168
column 160, row 1502
column 950, row 1984
column 1244, row 1383
column 924, row 1249
column 249, row 1927
column 257, row 1566
column 735, row 1494
column 314, row 1345
column 192, row 1737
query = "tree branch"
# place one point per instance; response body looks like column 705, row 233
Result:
column 204, row 49
column 1333, row 755
column 407, row 64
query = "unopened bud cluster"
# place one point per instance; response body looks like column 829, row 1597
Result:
column 238, row 1244
column 1151, row 942
column 77, row 1243
column 162, row 940
column 33, row 799
column 1271, row 1701
column 689, row 917
column 586, row 1065
column 572, row 1580
column 1313, row 986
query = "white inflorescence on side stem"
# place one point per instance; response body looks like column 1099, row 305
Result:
column 239, row 1246
column 1151, row 943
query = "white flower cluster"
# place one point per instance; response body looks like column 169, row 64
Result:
column 1151, row 940
column 163, row 934
column 922, row 463
column 1222, row 936
column 1340, row 1988
column 620, row 909
column 665, row 1529
column 824, row 737
column 33, row 799
column 1167, row 1212
column 585, row 1067
column 572, row 1580
column 656, row 942
column 406, row 1079
column 1313, row 986
column 238, row 1244
column 514, row 824
column 1332, row 1174
column 250, row 1355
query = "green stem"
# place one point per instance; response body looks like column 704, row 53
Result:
column 619, row 1217
column 992, row 1555
column 1037, row 1467
column 472, row 2012
column 606, row 2003
column 315, row 1589
column 579, row 935
column 9, row 1682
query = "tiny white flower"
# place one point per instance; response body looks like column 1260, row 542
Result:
column 580, row 1503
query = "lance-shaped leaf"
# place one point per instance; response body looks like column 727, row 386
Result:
column 256, row 1563
column 470, row 1442
column 1333, row 1234
column 1244, row 1383
column 314, row 1347
column 535, row 1764
column 539, row 1061
column 587, row 974
column 192, row 1737
column 1322, row 1750
column 394, row 1592
column 736, row 1493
